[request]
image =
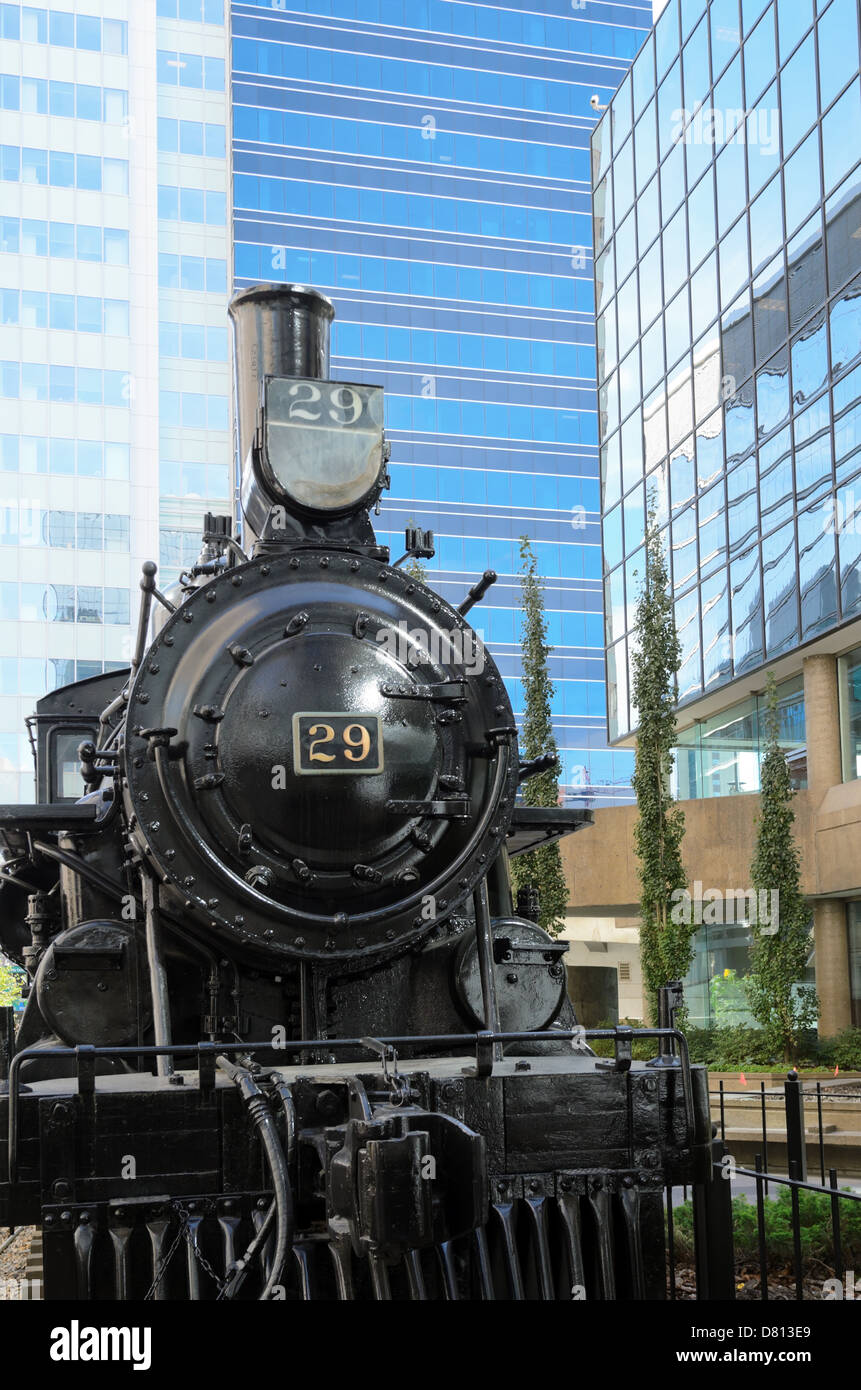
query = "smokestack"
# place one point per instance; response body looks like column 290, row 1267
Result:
column 278, row 330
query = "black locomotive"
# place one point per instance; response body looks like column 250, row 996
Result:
column 285, row 1036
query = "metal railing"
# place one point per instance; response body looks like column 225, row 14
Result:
column 772, row 1105
column 713, row 1216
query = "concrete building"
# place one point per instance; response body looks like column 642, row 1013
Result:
column 728, row 285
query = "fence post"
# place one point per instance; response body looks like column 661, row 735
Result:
column 796, row 1148
column 713, row 1246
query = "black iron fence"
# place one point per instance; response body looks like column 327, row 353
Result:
column 723, row 1251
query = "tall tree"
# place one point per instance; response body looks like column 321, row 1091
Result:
column 666, row 935
column 780, row 933
column 541, row 868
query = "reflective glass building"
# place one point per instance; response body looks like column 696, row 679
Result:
column 727, row 192
column 727, row 216
column 426, row 164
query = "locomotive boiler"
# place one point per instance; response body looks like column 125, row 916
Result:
column 286, row 1036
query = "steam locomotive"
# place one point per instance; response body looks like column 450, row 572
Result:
column 286, row 1036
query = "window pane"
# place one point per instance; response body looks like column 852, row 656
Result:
column 89, row 171
column 34, row 25
column 116, row 532
column 167, row 134
column 190, row 70
column 760, row 58
column 87, row 33
column 89, row 314
column 214, row 136
column 115, row 175
column 193, row 341
column 88, row 102
column 62, row 383
column 89, row 604
column 61, row 29
column 116, row 388
column 116, row 605
column 117, row 461
column 216, row 275
column 213, row 74
column 89, row 243
column 34, row 236
column 34, row 166
column 191, row 273
column 62, row 99
column 62, row 167
column 89, row 459
column 191, row 204
column 10, row 163
column 116, row 246
column 34, row 309
column 89, row 530
column 798, row 92
column 114, row 36
column 34, row 95
column 89, row 386
column 117, row 317
column 190, row 137
column 115, row 106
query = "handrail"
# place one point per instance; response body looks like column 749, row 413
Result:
column 790, row 1182
column 85, row 1057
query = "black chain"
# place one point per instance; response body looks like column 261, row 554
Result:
column 203, row 1261
column 163, row 1264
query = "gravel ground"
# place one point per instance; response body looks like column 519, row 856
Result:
column 13, row 1261
column 781, row 1283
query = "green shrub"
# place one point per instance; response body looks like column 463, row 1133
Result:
column 730, row 1048
column 643, row 1049
column 736, row 1047
column 814, row 1212
column 843, row 1050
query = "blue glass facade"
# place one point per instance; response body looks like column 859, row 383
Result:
column 728, row 279
column 426, row 164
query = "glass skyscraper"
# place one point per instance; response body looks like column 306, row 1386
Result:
column 426, row 164
column 728, row 274
column 113, row 343
column 727, row 190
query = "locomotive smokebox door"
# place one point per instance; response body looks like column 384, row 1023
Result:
column 339, row 739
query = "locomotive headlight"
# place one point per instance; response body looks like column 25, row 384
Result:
column 321, row 442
